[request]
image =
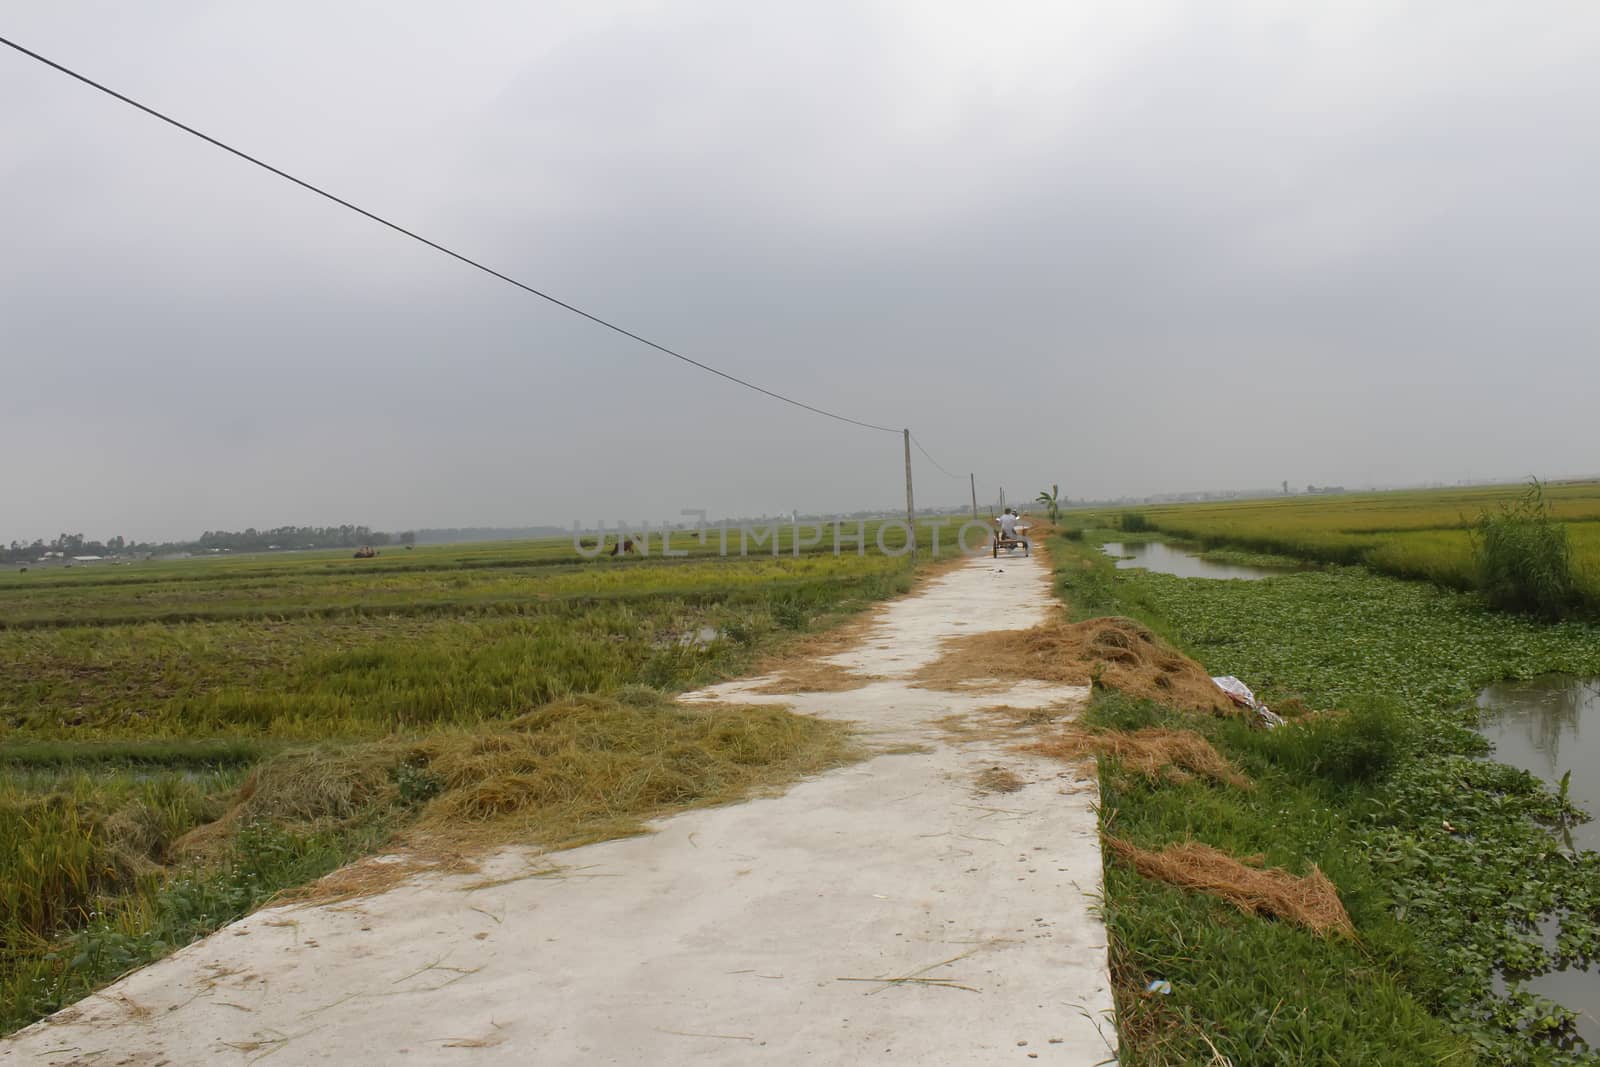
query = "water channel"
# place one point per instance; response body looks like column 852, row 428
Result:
column 1164, row 559
column 1542, row 726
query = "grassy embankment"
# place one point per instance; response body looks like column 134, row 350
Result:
column 179, row 742
column 1446, row 861
column 1424, row 534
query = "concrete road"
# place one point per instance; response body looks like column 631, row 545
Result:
column 892, row 911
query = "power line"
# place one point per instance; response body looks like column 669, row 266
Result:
column 935, row 462
column 434, row 244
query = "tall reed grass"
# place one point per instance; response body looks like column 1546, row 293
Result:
column 1525, row 559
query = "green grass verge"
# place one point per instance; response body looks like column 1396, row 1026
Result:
column 1446, row 860
column 1258, row 991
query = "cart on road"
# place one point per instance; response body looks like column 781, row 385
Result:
column 1011, row 544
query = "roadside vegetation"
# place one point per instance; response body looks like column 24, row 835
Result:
column 1050, row 500
column 1525, row 558
column 180, row 743
column 1437, row 535
column 1448, row 863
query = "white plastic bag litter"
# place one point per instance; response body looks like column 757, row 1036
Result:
column 1241, row 695
column 1237, row 691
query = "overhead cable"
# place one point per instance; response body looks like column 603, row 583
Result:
column 437, row 246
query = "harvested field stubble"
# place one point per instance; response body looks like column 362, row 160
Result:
column 1309, row 900
column 1154, row 753
column 1117, row 653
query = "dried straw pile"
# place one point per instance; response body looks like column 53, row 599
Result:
column 998, row 779
column 1176, row 755
column 576, row 770
column 1124, row 654
column 1311, row 900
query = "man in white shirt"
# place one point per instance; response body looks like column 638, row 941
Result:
column 1009, row 531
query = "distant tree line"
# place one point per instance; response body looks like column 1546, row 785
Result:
column 69, row 545
column 253, row 540
column 65, row 545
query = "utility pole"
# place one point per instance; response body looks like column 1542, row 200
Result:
column 973, row 478
column 911, row 508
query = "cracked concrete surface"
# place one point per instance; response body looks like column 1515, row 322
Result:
column 891, row 910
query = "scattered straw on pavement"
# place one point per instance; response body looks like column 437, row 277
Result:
column 818, row 676
column 1176, row 755
column 803, row 666
column 998, row 779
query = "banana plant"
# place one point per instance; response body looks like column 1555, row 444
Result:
column 1051, row 501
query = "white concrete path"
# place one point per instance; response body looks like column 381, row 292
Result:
column 731, row 935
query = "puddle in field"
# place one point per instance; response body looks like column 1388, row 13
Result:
column 1164, row 559
column 1540, row 726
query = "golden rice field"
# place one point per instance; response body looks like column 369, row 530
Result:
column 1410, row 534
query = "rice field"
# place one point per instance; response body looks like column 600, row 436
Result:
column 1412, row 534
column 180, row 741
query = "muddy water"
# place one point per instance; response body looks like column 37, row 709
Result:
column 1164, row 559
column 1549, row 726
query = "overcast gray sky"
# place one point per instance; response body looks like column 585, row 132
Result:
column 1126, row 247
